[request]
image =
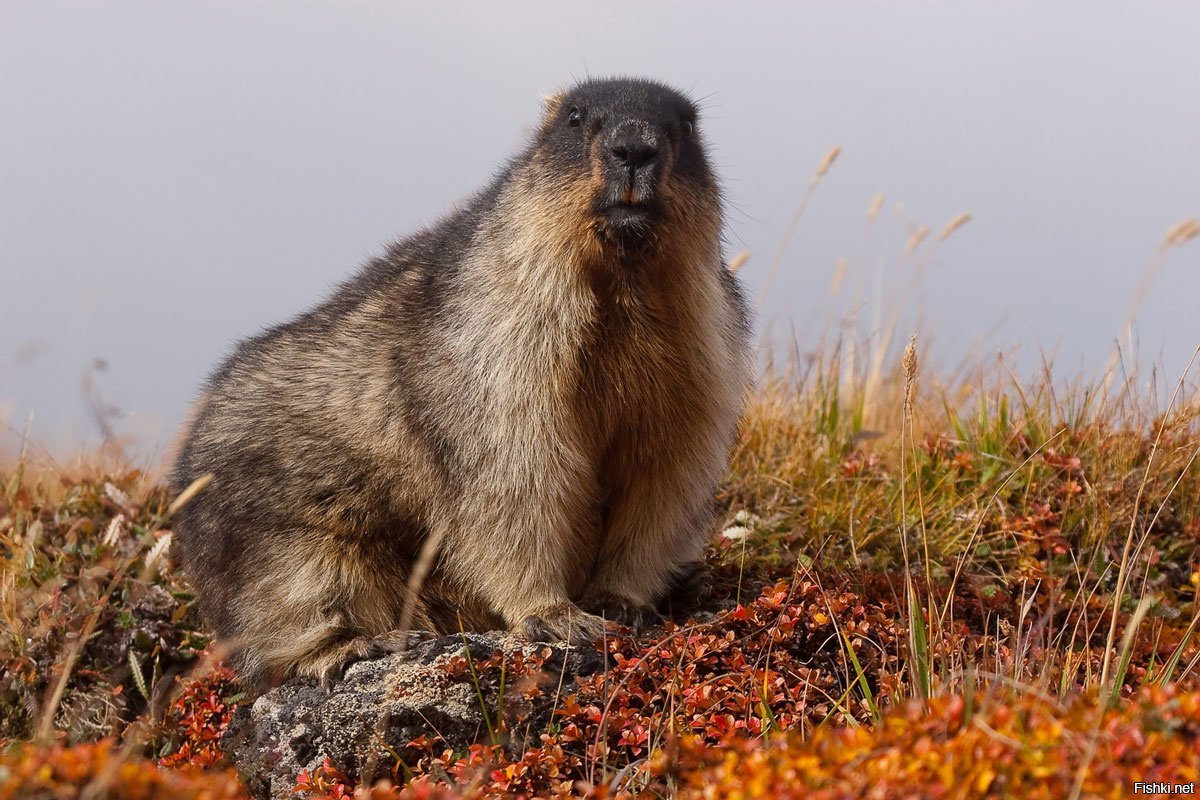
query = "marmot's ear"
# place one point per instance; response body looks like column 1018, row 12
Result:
column 551, row 102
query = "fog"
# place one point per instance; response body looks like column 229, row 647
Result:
column 177, row 175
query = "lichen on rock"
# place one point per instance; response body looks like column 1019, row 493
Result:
column 365, row 722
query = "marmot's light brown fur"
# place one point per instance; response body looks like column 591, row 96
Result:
column 515, row 418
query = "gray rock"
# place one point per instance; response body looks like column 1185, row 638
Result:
column 383, row 704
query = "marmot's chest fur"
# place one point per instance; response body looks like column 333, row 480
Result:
column 642, row 370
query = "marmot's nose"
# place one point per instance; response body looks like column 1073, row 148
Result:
column 632, row 149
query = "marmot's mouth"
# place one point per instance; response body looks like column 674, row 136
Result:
column 629, row 213
column 629, row 192
column 630, row 201
column 629, row 225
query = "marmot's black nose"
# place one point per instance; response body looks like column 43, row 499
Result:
column 631, row 147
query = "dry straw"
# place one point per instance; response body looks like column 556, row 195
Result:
column 813, row 182
column 1177, row 235
column 739, row 261
column 191, row 491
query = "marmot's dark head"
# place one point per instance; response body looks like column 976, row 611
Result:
column 624, row 159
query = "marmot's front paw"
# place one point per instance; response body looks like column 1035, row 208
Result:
column 562, row 623
column 329, row 667
column 391, row 642
column 620, row 610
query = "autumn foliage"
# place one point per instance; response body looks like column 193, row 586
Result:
column 104, row 769
column 952, row 746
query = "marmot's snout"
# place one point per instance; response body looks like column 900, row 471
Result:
column 635, row 158
column 632, row 152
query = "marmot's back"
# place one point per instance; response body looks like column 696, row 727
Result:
column 517, row 418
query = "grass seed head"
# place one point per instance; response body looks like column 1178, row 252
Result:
column 876, row 204
column 1181, row 233
column 826, row 163
column 953, row 225
column 910, row 371
column 914, row 241
column 839, row 274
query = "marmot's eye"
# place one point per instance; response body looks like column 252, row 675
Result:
column 687, row 127
column 574, row 119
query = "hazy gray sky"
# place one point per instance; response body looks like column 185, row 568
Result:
column 176, row 175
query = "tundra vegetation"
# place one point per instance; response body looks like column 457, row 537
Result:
column 929, row 582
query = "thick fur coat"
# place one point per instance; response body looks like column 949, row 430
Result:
column 515, row 418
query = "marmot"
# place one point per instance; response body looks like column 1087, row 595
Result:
column 515, row 418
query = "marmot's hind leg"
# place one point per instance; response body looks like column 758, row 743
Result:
column 325, row 651
column 332, row 608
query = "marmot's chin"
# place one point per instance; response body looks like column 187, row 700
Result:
column 630, row 226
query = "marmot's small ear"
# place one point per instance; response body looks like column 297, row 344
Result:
column 551, row 102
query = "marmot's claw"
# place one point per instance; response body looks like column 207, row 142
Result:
column 330, row 669
column 332, row 675
column 622, row 611
column 563, row 623
column 330, row 666
column 396, row 642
